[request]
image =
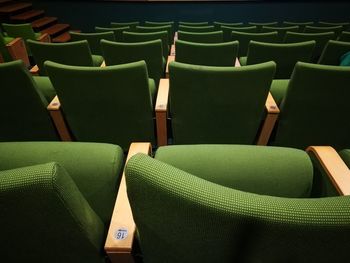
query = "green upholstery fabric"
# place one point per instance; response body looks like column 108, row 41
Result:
column 71, row 53
column 306, row 117
column 280, row 30
column 93, row 39
column 23, row 113
column 243, row 61
column 154, row 29
column 45, row 86
column 218, row 24
column 227, row 30
column 217, row 104
column 116, row 53
column 279, row 89
column 94, row 168
column 45, row 210
column 345, row 25
column 345, row 155
column 118, row 31
column 133, row 37
column 301, row 25
column 131, row 24
column 202, row 37
column 260, row 25
column 159, row 23
column 344, row 36
column 284, row 55
column 273, row 171
column 183, row 218
column 116, row 102
column 333, row 51
column 319, row 29
column 321, row 40
column 217, row 54
column 3, row 49
column 97, row 60
column 244, row 38
column 188, row 23
column 197, row 29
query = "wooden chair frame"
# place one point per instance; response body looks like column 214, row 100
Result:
column 17, row 50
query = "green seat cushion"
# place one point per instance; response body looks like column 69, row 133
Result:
column 45, row 86
column 97, row 60
column 95, row 168
column 153, row 91
column 273, row 171
column 243, row 61
column 8, row 39
column 278, row 89
column 37, row 35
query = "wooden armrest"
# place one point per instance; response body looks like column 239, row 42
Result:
column 17, row 50
column 122, row 229
column 170, row 59
column 58, row 120
column 172, row 50
column 103, row 64
column 44, row 38
column 34, row 70
column 270, row 120
column 237, row 63
column 161, row 112
column 336, row 169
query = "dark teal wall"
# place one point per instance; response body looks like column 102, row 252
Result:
column 85, row 15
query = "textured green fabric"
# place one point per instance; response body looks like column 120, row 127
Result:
column 319, row 29
column 320, row 38
column 118, row 31
column 45, row 87
column 134, row 37
column 153, row 29
column 244, row 38
column 110, row 104
column 3, row 49
column 71, row 53
column 218, row 25
column 279, row 89
column 183, row 218
column 273, row 171
column 95, row 168
column 23, row 113
column 217, row 104
column 306, row 117
column 97, row 60
column 216, row 54
column 131, row 24
column 187, row 23
column 259, row 25
column 227, row 30
column 344, row 36
column 333, row 51
column 280, row 30
column 43, row 209
column 301, row 25
column 243, row 61
column 24, row 31
column 284, row 55
column 93, row 39
column 202, row 37
column 197, row 29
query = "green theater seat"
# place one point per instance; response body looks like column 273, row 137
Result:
column 118, row 31
column 333, row 51
column 201, row 37
column 93, row 39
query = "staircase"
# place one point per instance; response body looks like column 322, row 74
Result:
column 21, row 12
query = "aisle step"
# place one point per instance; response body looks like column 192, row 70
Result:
column 56, row 29
column 27, row 16
column 43, row 22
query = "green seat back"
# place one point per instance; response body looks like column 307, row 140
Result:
column 218, row 24
column 3, row 49
column 116, row 53
column 24, row 31
column 227, row 30
column 118, row 31
column 188, row 23
column 280, row 30
column 333, row 51
column 315, row 107
column 134, row 37
column 244, row 38
column 159, row 23
column 93, row 39
column 202, row 37
column 183, row 218
column 217, row 104
column 301, row 25
column 217, row 54
column 319, row 29
column 131, row 24
column 155, row 29
column 285, row 55
column 71, row 53
column 197, row 29
column 260, row 25
column 23, row 113
column 320, row 38
column 344, row 36
column 110, row 104
column 345, row 25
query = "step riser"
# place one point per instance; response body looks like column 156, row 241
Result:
column 45, row 24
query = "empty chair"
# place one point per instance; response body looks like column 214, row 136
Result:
column 202, row 37
column 96, row 102
column 333, row 51
column 131, row 24
column 24, row 99
column 227, row 30
column 280, row 30
column 218, row 25
column 344, row 36
column 187, row 23
column 231, row 202
column 71, row 53
column 65, row 192
column 217, row 54
column 13, row 49
column 154, row 29
column 201, row 98
column 285, row 55
column 345, row 25
column 118, row 31
column 321, row 40
column 244, row 38
column 93, row 39
column 319, row 29
column 301, row 25
column 306, row 117
column 197, row 29
column 260, row 25
column 159, row 23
